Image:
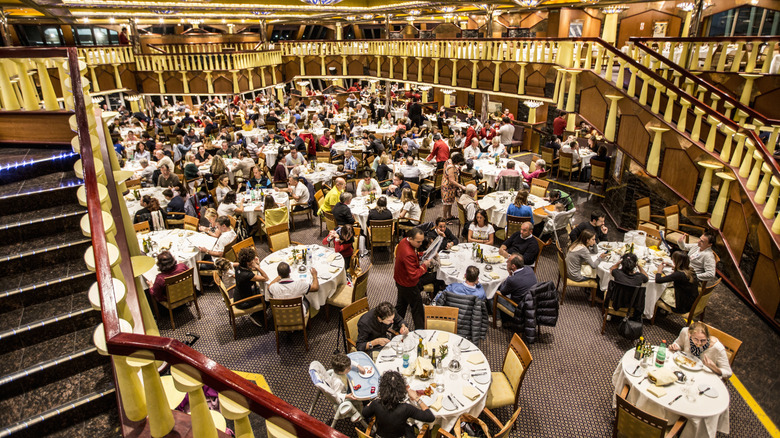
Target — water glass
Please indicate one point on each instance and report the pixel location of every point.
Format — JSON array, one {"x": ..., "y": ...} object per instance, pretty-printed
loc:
[
  {"x": 439, "y": 380},
  {"x": 689, "y": 391},
  {"x": 398, "y": 347}
]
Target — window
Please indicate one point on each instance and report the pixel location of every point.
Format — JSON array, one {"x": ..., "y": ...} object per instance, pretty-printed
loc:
[
  {"x": 32, "y": 35},
  {"x": 95, "y": 36},
  {"x": 349, "y": 32},
  {"x": 745, "y": 21},
  {"x": 282, "y": 35},
  {"x": 372, "y": 33}
]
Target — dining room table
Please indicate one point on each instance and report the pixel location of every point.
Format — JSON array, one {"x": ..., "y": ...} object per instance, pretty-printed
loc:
[
  {"x": 230, "y": 164},
  {"x": 133, "y": 205},
  {"x": 648, "y": 258},
  {"x": 135, "y": 167},
  {"x": 184, "y": 246},
  {"x": 427, "y": 169},
  {"x": 254, "y": 205},
  {"x": 490, "y": 171},
  {"x": 496, "y": 205},
  {"x": 462, "y": 381},
  {"x": 353, "y": 145},
  {"x": 322, "y": 172},
  {"x": 455, "y": 261},
  {"x": 330, "y": 265},
  {"x": 585, "y": 155},
  {"x": 701, "y": 396},
  {"x": 360, "y": 206}
]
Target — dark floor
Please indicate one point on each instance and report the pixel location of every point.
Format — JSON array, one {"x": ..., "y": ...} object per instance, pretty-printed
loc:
[{"x": 566, "y": 392}]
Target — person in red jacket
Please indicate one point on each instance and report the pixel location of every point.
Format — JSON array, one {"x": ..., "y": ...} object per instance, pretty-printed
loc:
[
  {"x": 407, "y": 273},
  {"x": 440, "y": 152},
  {"x": 470, "y": 133},
  {"x": 559, "y": 124}
]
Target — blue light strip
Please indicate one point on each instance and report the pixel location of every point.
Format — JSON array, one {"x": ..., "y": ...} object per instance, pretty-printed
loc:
[{"x": 32, "y": 162}]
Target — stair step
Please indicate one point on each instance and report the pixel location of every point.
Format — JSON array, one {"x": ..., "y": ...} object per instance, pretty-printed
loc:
[
  {"x": 62, "y": 415},
  {"x": 49, "y": 371},
  {"x": 48, "y": 191},
  {"x": 30, "y": 170},
  {"x": 47, "y": 328},
  {"x": 21, "y": 227},
  {"x": 53, "y": 250},
  {"x": 43, "y": 284}
]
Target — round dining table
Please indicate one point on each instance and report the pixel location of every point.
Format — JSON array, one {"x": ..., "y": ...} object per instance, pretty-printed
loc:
[
  {"x": 330, "y": 266},
  {"x": 426, "y": 169},
  {"x": 707, "y": 411},
  {"x": 230, "y": 164},
  {"x": 496, "y": 205},
  {"x": 465, "y": 390},
  {"x": 253, "y": 202},
  {"x": 490, "y": 171},
  {"x": 455, "y": 262},
  {"x": 184, "y": 245},
  {"x": 134, "y": 205},
  {"x": 341, "y": 146},
  {"x": 650, "y": 259},
  {"x": 360, "y": 208}
]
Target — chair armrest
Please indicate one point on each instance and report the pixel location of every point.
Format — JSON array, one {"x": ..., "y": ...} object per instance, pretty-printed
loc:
[
  {"x": 624, "y": 391},
  {"x": 658, "y": 216},
  {"x": 493, "y": 418},
  {"x": 444, "y": 433},
  {"x": 370, "y": 425},
  {"x": 205, "y": 264},
  {"x": 352, "y": 343},
  {"x": 499, "y": 294},
  {"x": 248, "y": 299},
  {"x": 677, "y": 428},
  {"x": 423, "y": 430},
  {"x": 692, "y": 227}
]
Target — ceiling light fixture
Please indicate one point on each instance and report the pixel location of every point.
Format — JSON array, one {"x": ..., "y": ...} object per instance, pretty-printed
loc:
[
  {"x": 533, "y": 103},
  {"x": 447, "y": 9},
  {"x": 686, "y": 6},
  {"x": 414, "y": 12},
  {"x": 613, "y": 9},
  {"x": 163, "y": 11},
  {"x": 527, "y": 3},
  {"x": 367, "y": 16},
  {"x": 447, "y": 91},
  {"x": 321, "y": 2},
  {"x": 350, "y": 18}
]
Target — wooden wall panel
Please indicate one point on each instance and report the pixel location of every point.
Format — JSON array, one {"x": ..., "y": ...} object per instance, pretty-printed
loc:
[
  {"x": 734, "y": 227},
  {"x": 641, "y": 25},
  {"x": 593, "y": 107},
  {"x": 198, "y": 84},
  {"x": 445, "y": 73},
  {"x": 679, "y": 171},
  {"x": 16, "y": 126},
  {"x": 765, "y": 284},
  {"x": 222, "y": 85},
  {"x": 173, "y": 83},
  {"x": 633, "y": 137},
  {"x": 508, "y": 80}
]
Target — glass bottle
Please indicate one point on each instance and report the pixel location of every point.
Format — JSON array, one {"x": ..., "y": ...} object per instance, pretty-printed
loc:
[{"x": 660, "y": 356}]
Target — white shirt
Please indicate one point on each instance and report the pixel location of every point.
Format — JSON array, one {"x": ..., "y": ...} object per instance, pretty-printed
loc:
[
  {"x": 471, "y": 153},
  {"x": 569, "y": 150},
  {"x": 506, "y": 132},
  {"x": 226, "y": 238},
  {"x": 481, "y": 233},
  {"x": 494, "y": 150},
  {"x": 302, "y": 192},
  {"x": 226, "y": 209},
  {"x": 413, "y": 211}
]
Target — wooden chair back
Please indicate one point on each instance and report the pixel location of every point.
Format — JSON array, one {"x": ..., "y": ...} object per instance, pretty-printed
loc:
[
  {"x": 360, "y": 288},
  {"x": 539, "y": 187},
  {"x": 323, "y": 156},
  {"x": 642, "y": 211},
  {"x": 191, "y": 223},
  {"x": 514, "y": 223},
  {"x": 278, "y": 237},
  {"x": 633, "y": 422},
  {"x": 548, "y": 155},
  {"x": 506, "y": 428},
  {"x": 510, "y": 182},
  {"x": 288, "y": 314},
  {"x": 442, "y": 318},
  {"x": 731, "y": 343},
  {"x": 700, "y": 305},
  {"x": 566, "y": 162},
  {"x": 330, "y": 221},
  {"x": 598, "y": 171},
  {"x": 672, "y": 215},
  {"x": 415, "y": 188},
  {"x": 382, "y": 233},
  {"x": 142, "y": 227},
  {"x": 350, "y": 316},
  {"x": 516, "y": 362},
  {"x": 246, "y": 243},
  {"x": 180, "y": 288}
]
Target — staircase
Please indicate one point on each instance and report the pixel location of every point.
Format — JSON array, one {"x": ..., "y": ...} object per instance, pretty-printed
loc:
[{"x": 52, "y": 380}]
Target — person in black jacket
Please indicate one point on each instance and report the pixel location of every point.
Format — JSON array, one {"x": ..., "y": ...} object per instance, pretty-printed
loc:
[
  {"x": 686, "y": 285},
  {"x": 440, "y": 230},
  {"x": 596, "y": 225},
  {"x": 415, "y": 113},
  {"x": 341, "y": 212},
  {"x": 374, "y": 325},
  {"x": 175, "y": 203},
  {"x": 390, "y": 410},
  {"x": 523, "y": 243},
  {"x": 517, "y": 287},
  {"x": 380, "y": 213}
]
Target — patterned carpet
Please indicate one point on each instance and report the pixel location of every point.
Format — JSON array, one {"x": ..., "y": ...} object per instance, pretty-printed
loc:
[{"x": 567, "y": 391}]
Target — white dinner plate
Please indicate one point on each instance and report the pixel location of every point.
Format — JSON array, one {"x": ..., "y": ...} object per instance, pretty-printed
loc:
[
  {"x": 483, "y": 379},
  {"x": 447, "y": 404},
  {"x": 711, "y": 392},
  {"x": 698, "y": 367},
  {"x": 629, "y": 367},
  {"x": 369, "y": 371}
]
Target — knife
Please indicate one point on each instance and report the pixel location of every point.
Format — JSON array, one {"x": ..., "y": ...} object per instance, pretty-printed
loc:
[
  {"x": 675, "y": 399},
  {"x": 635, "y": 370},
  {"x": 431, "y": 338},
  {"x": 461, "y": 341},
  {"x": 474, "y": 384},
  {"x": 449, "y": 397},
  {"x": 705, "y": 390}
]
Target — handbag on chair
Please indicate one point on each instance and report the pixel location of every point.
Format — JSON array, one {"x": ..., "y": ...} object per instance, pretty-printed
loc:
[{"x": 628, "y": 328}]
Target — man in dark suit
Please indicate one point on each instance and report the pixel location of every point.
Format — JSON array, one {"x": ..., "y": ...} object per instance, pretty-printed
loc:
[
  {"x": 398, "y": 185},
  {"x": 415, "y": 113},
  {"x": 341, "y": 212},
  {"x": 175, "y": 203},
  {"x": 517, "y": 287}
]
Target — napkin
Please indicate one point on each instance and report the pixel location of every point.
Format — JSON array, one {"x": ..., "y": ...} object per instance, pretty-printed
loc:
[
  {"x": 437, "y": 404},
  {"x": 443, "y": 337},
  {"x": 494, "y": 276},
  {"x": 656, "y": 391},
  {"x": 332, "y": 257},
  {"x": 476, "y": 359},
  {"x": 661, "y": 376},
  {"x": 334, "y": 270},
  {"x": 446, "y": 263},
  {"x": 470, "y": 392},
  {"x": 587, "y": 271},
  {"x": 455, "y": 248},
  {"x": 407, "y": 371}
]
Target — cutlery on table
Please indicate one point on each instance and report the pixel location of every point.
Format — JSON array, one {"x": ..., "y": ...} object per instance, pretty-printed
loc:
[
  {"x": 461, "y": 341},
  {"x": 675, "y": 399},
  {"x": 640, "y": 382},
  {"x": 635, "y": 370},
  {"x": 474, "y": 384},
  {"x": 431, "y": 338},
  {"x": 449, "y": 397},
  {"x": 704, "y": 390},
  {"x": 478, "y": 374}
]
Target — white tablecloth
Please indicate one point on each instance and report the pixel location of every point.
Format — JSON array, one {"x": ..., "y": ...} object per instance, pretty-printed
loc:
[
  {"x": 133, "y": 206},
  {"x": 329, "y": 281},
  {"x": 653, "y": 291},
  {"x": 254, "y": 134},
  {"x": 460, "y": 258},
  {"x": 426, "y": 169},
  {"x": 360, "y": 209},
  {"x": 324, "y": 173},
  {"x": 453, "y": 382},
  {"x": 343, "y": 145},
  {"x": 184, "y": 246},
  {"x": 135, "y": 167},
  {"x": 230, "y": 163},
  {"x": 254, "y": 208},
  {"x": 774, "y": 67},
  {"x": 489, "y": 170},
  {"x": 496, "y": 209},
  {"x": 585, "y": 156},
  {"x": 706, "y": 416}
]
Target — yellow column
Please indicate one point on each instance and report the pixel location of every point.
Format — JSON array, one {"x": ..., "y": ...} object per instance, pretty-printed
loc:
[
  {"x": 645, "y": 89},
  {"x": 755, "y": 174},
  {"x": 521, "y": 80},
  {"x": 496, "y": 72},
  {"x": 210, "y": 83},
  {"x": 49, "y": 97},
  {"x": 378, "y": 67},
  {"x": 29, "y": 95},
  {"x": 748, "y": 88},
  {"x": 419, "y": 69},
  {"x": 710, "y": 143},
  {"x": 454, "y": 72},
  {"x": 532, "y": 115},
  {"x": 187, "y": 379},
  {"x": 683, "y": 119},
  {"x": 687, "y": 25},
  {"x": 631, "y": 82},
  {"x": 744, "y": 169},
  {"x": 185, "y": 82},
  {"x": 565, "y": 54},
  {"x": 703, "y": 198},
  {"x": 323, "y": 71},
  {"x": 610, "y": 68},
  {"x": 235, "y": 407},
  {"x": 609, "y": 131},
  {"x": 406, "y": 71},
  {"x": 696, "y": 131},
  {"x": 161, "y": 420},
  {"x": 772, "y": 143},
  {"x": 738, "y": 57},
  {"x": 117, "y": 76},
  {"x": 474, "y": 74},
  {"x": 236, "y": 89},
  {"x": 767, "y": 56},
  {"x": 9, "y": 100},
  {"x": 303, "y": 67},
  {"x": 557, "y": 82},
  {"x": 160, "y": 82},
  {"x": 761, "y": 191},
  {"x": 725, "y": 151},
  {"x": 262, "y": 77},
  {"x": 131, "y": 391},
  {"x": 250, "y": 79},
  {"x": 736, "y": 157},
  {"x": 610, "y": 28},
  {"x": 93, "y": 77},
  {"x": 714, "y": 103},
  {"x": 571, "y": 122},
  {"x": 436, "y": 71},
  {"x": 656, "y": 107},
  {"x": 446, "y": 100},
  {"x": 653, "y": 160},
  {"x": 719, "y": 211},
  {"x": 391, "y": 68},
  {"x": 728, "y": 108},
  {"x": 771, "y": 205},
  {"x": 562, "y": 91}
]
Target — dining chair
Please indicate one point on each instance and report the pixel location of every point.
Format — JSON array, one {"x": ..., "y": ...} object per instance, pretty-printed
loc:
[
  {"x": 514, "y": 223},
  {"x": 503, "y": 304},
  {"x": 305, "y": 212},
  {"x": 731, "y": 343},
  {"x": 289, "y": 317},
  {"x": 504, "y": 428},
  {"x": 467, "y": 179},
  {"x": 567, "y": 282},
  {"x": 548, "y": 155},
  {"x": 175, "y": 219},
  {"x": 423, "y": 432},
  {"x": 279, "y": 237},
  {"x": 644, "y": 218},
  {"x": 191, "y": 223},
  {"x": 505, "y": 385},
  {"x": 415, "y": 189},
  {"x": 542, "y": 245},
  {"x": 133, "y": 183},
  {"x": 179, "y": 290},
  {"x": 698, "y": 308},
  {"x": 237, "y": 312},
  {"x": 608, "y": 307},
  {"x": 539, "y": 187},
  {"x": 630, "y": 421},
  {"x": 598, "y": 173},
  {"x": 441, "y": 318},
  {"x": 142, "y": 227},
  {"x": 567, "y": 165},
  {"x": 673, "y": 227},
  {"x": 510, "y": 182},
  {"x": 323, "y": 156},
  {"x": 350, "y": 315},
  {"x": 347, "y": 294},
  {"x": 381, "y": 235},
  {"x": 330, "y": 221}
]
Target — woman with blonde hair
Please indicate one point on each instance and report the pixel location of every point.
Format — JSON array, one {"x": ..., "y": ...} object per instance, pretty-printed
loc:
[
  {"x": 696, "y": 341},
  {"x": 410, "y": 213},
  {"x": 218, "y": 166},
  {"x": 208, "y": 223}
]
